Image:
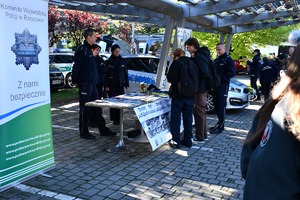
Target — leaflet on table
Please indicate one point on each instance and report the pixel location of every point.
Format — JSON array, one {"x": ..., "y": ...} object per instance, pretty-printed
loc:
[{"x": 155, "y": 120}]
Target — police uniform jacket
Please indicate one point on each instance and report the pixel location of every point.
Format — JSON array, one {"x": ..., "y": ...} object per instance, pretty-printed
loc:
[
  {"x": 225, "y": 68},
  {"x": 268, "y": 73},
  {"x": 117, "y": 75},
  {"x": 271, "y": 164},
  {"x": 173, "y": 76},
  {"x": 255, "y": 65},
  {"x": 201, "y": 59},
  {"x": 84, "y": 71},
  {"x": 102, "y": 69}
]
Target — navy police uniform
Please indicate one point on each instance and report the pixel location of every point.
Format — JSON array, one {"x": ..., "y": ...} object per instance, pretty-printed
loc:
[
  {"x": 102, "y": 70},
  {"x": 116, "y": 80},
  {"x": 268, "y": 76},
  {"x": 271, "y": 164},
  {"x": 254, "y": 71},
  {"x": 226, "y": 70},
  {"x": 85, "y": 74}
]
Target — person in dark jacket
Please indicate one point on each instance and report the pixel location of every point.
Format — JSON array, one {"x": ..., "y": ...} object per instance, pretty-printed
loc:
[
  {"x": 102, "y": 70},
  {"x": 267, "y": 76},
  {"x": 180, "y": 104},
  {"x": 254, "y": 71},
  {"x": 200, "y": 57},
  {"x": 270, "y": 157},
  {"x": 85, "y": 76},
  {"x": 116, "y": 79},
  {"x": 226, "y": 70}
]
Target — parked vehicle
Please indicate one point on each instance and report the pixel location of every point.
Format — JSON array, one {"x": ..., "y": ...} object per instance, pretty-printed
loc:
[
  {"x": 56, "y": 78},
  {"x": 238, "y": 97},
  {"x": 143, "y": 68},
  {"x": 64, "y": 61},
  {"x": 241, "y": 65}
]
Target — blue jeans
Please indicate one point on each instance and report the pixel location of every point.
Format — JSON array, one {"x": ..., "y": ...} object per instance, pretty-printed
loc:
[{"x": 184, "y": 106}]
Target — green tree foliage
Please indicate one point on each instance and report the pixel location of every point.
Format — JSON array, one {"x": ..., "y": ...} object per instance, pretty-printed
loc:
[{"x": 242, "y": 43}]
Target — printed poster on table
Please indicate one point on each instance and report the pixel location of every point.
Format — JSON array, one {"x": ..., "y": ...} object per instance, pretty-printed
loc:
[
  {"x": 155, "y": 120},
  {"x": 26, "y": 146}
]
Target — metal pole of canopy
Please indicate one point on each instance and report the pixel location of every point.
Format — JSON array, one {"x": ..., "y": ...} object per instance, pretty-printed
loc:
[
  {"x": 164, "y": 53},
  {"x": 228, "y": 42},
  {"x": 222, "y": 38},
  {"x": 180, "y": 24}
]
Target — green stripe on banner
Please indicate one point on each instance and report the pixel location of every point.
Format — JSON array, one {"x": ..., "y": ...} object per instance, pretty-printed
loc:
[{"x": 26, "y": 144}]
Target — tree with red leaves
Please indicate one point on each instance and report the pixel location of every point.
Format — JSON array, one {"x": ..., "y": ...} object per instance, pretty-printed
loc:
[
  {"x": 77, "y": 21},
  {"x": 71, "y": 24},
  {"x": 54, "y": 18}
]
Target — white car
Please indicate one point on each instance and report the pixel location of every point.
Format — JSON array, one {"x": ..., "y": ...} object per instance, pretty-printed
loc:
[{"x": 64, "y": 61}]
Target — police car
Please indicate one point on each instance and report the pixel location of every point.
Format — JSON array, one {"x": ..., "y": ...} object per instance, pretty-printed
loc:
[
  {"x": 143, "y": 69},
  {"x": 64, "y": 61}
]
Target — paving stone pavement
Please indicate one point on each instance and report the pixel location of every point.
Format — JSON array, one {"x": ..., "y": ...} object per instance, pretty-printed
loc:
[{"x": 85, "y": 170}]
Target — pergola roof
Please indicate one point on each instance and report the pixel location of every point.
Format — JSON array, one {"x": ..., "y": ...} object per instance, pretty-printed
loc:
[{"x": 214, "y": 16}]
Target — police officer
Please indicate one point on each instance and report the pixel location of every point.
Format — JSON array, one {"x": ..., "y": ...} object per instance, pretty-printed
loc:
[
  {"x": 85, "y": 76},
  {"x": 116, "y": 79},
  {"x": 267, "y": 76},
  {"x": 226, "y": 70},
  {"x": 254, "y": 70}
]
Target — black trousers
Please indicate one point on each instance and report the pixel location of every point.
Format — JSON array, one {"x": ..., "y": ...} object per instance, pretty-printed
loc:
[
  {"x": 253, "y": 80},
  {"x": 89, "y": 93},
  {"x": 220, "y": 95},
  {"x": 115, "y": 113}
]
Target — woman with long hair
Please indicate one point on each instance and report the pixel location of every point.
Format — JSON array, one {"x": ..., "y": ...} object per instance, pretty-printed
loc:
[{"x": 270, "y": 158}]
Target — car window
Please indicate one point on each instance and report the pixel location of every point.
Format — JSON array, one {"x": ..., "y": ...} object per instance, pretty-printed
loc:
[
  {"x": 63, "y": 59},
  {"x": 50, "y": 56},
  {"x": 138, "y": 64},
  {"x": 149, "y": 65}
]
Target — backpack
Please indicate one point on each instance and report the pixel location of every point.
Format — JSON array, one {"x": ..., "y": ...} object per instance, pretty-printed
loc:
[
  {"x": 189, "y": 78},
  {"x": 213, "y": 80}
]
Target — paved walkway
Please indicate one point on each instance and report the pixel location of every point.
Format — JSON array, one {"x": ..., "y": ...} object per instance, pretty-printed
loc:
[{"x": 85, "y": 170}]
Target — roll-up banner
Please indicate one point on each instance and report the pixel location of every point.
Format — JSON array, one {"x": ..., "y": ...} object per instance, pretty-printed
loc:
[{"x": 26, "y": 146}]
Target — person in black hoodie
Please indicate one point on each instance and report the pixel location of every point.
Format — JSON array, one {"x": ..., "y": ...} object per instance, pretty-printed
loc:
[
  {"x": 254, "y": 71},
  {"x": 200, "y": 56},
  {"x": 270, "y": 157},
  {"x": 116, "y": 79},
  {"x": 180, "y": 104},
  {"x": 267, "y": 76},
  {"x": 226, "y": 70},
  {"x": 85, "y": 76}
]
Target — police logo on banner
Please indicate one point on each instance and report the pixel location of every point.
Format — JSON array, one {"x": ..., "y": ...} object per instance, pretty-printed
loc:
[
  {"x": 26, "y": 49},
  {"x": 267, "y": 134}
]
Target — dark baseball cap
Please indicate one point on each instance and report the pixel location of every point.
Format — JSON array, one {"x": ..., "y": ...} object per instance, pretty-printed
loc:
[
  {"x": 281, "y": 56},
  {"x": 256, "y": 50}
]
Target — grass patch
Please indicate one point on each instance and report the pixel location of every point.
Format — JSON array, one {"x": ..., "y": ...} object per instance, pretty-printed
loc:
[
  {"x": 64, "y": 93},
  {"x": 250, "y": 88}
]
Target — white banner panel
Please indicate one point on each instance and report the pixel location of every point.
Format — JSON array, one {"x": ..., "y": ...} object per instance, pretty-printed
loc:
[{"x": 26, "y": 145}]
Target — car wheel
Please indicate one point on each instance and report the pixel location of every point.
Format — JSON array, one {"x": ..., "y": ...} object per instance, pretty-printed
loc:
[
  {"x": 69, "y": 80},
  {"x": 210, "y": 108}
]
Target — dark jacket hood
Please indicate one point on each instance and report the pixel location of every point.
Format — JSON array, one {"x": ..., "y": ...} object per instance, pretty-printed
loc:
[{"x": 203, "y": 50}]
